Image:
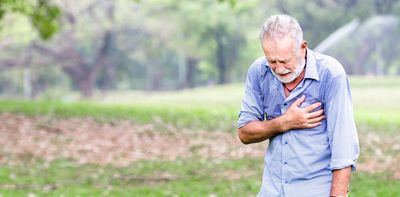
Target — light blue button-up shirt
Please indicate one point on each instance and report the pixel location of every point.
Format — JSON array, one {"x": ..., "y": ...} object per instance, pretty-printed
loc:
[{"x": 299, "y": 163}]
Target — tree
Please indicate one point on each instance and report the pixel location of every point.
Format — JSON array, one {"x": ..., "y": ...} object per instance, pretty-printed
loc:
[
  {"x": 42, "y": 14},
  {"x": 209, "y": 33},
  {"x": 165, "y": 44},
  {"x": 81, "y": 56}
]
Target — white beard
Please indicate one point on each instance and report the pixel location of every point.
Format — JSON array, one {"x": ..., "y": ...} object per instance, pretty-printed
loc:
[{"x": 296, "y": 73}]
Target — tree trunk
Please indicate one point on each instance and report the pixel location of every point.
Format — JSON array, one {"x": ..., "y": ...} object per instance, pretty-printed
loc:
[
  {"x": 282, "y": 6},
  {"x": 80, "y": 74},
  {"x": 109, "y": 83},
  {"x": 156, "y": 80},
  {"x": 191, "y": 63},
  {"x": 221, "y": 59},
  {"x": 86, "y": 88},
  {"x": 385, "y": 6}
]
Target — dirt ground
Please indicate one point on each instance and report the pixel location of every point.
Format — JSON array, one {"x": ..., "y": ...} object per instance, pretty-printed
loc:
[
  {"x": 118, "y": 143},
  {"x": 121, "y": 143}
]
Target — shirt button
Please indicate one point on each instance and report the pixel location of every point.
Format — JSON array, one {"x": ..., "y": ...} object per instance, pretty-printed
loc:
[
  {"x": 286, "y": 182},
  {"x": 285, "y": 104},
  {"x": 286, "y": 142},
  {"x": 285, "y": 162}
]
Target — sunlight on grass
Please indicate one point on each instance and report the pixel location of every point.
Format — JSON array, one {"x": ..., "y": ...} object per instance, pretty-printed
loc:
[
  {"x": 375, "y": 105},
  {"x": 376, "y": 109},
  {"x": 227, "y": 95},
  {"x": 190, "y": 177}
]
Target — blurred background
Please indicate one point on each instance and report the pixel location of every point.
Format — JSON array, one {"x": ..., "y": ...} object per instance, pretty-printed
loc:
[{"x": 140, "y": 97}]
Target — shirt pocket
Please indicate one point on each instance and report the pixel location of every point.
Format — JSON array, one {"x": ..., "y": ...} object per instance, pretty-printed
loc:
[
  {"x": 311, "y": 100},
  {"x": 268, "y": 113},
  {"x": 272, "y": 111},
  {"x": 319, "y": 130}
]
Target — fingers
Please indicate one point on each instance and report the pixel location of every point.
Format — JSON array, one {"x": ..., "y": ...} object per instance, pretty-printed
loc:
[
  {"x": 299, "y": 101},
  {"x": 316, "y": 113},
  {"x": 316, "y": 120},
  {"x": 314, "y": 125},
  {"x": 312, "y": 107}
]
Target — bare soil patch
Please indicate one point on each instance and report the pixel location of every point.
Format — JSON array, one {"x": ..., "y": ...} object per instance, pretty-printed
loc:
[
  {"x": 120, "y": 143},
  {"x": 117, "y": 143}
]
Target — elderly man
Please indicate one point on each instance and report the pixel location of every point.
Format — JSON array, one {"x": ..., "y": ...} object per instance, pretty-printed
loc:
[{"x": 300, "y": 101}]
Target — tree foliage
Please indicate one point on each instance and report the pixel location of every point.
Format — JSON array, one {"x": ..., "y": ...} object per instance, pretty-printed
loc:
[
  {"x": 166, "y": 44},
  {"x": 42, "y": 14}
]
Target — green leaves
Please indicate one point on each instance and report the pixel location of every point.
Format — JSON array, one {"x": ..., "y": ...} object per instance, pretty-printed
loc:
[
  {"x": 231, "y": 2},
  {"x": 42, "y": 14},
  {"x": 44, "y": 19}
]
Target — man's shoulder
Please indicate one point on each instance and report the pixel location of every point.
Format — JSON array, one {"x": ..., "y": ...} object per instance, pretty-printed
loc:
[
  {"x": 258, "y": 66},
  {"x": 259, "y": 63},
  {"x": 329, "y": 65}
]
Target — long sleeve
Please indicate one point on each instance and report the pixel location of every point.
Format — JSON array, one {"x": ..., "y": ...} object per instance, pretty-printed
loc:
[
  {"x": 342, "y": 132},
  {"x": 251, "y": 107}
]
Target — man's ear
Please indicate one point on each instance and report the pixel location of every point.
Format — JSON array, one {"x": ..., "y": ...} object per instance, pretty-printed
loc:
[
  {"x": 304, "y": 47},
  {"x": 304, "y": 44}
]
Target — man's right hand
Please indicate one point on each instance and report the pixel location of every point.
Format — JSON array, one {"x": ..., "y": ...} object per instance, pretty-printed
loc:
[
  {"x": 294, "y": 118},
  {"x": 302, "y": 118}
]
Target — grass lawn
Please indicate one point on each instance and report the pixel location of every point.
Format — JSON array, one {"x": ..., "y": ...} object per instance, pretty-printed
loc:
[
  {"x": 190, "y": 177},
  {"x": 376, "y": 108}
]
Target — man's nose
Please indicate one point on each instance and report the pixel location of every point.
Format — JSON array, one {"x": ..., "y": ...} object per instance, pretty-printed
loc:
[{"x": 279, "y": 68}]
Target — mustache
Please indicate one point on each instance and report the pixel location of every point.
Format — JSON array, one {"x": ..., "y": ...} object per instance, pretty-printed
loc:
[{"x": 286, "y": 71}]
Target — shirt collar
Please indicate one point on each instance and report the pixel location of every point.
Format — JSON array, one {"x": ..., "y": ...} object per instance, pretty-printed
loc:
[{"x": 311, "y": 69}]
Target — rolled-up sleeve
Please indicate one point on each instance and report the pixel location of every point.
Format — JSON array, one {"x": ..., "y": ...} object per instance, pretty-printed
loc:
[
  {"x": 342, "y": 132},
  {"x": 251, "y": 107}
]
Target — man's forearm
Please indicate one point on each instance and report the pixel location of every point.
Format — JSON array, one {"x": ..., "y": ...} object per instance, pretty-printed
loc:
[
  {"x": 294, "y": 118},
  {"x": 340, "y": 182},
  {"x": 257, "y": 131}
]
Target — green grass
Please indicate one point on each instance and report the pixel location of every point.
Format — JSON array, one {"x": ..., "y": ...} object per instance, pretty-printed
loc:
[
  {"x": 199, "y": 117},
  {"x": 146, "y": 178},
  {"x": 376, "y": 108},
  {"x": 375, "y": 101},
  {"x": 190, "y": 177},
  {"x": 374, "y": 185}
]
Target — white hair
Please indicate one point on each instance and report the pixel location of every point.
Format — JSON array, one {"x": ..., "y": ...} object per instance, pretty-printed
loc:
[{"x": 279, "y": 26}]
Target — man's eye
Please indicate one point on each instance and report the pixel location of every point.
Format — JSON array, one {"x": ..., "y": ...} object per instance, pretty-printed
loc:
[
  {"x": 283, "y": 62},
  {"x": 272, "y": 62}
]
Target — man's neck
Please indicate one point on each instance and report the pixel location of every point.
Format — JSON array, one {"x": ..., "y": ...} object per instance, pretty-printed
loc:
[{"x": 289, "y": 87}]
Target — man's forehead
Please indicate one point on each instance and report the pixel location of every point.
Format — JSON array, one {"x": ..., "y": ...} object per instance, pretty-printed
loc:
[
  {"x": 279, "y": 55},
  {"x": 278, "y": 49}
]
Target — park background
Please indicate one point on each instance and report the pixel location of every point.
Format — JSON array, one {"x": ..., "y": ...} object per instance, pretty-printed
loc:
[{"x": 140, "y": 97}]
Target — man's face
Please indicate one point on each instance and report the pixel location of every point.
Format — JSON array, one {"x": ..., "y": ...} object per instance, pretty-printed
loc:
[{"x": 285, "y": 62}]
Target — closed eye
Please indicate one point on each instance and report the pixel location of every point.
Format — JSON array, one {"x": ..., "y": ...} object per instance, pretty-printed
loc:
[
  {"x": 283, "y": 61},
  {"x": 272, "y": 62}
]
